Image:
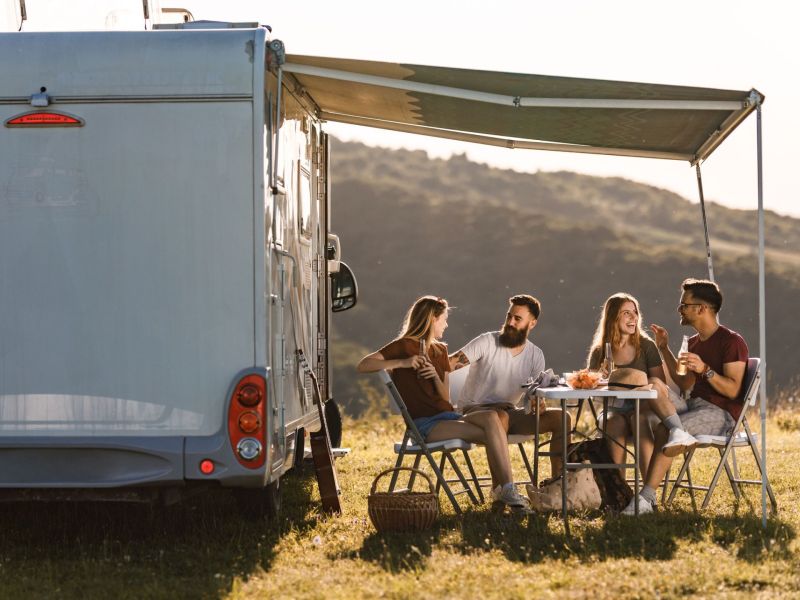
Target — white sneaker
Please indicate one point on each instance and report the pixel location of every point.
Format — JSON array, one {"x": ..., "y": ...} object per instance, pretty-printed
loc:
[
  {"x": 645, "y": 506},
  {"x": 508, "y": 495},
  {"x": 679, "y": 442}
]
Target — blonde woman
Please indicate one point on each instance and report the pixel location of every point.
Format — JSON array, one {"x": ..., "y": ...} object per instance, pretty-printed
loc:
[{"x": 418, "y": 362}]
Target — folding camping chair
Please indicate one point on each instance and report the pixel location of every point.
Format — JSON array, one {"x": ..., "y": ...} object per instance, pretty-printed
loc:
[
  {"x": 739, "y": 437},
  {"x": 414, "y": 445}
]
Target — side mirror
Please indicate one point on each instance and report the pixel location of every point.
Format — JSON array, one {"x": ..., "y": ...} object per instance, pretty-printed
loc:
[{"x": 344, "y": 289}]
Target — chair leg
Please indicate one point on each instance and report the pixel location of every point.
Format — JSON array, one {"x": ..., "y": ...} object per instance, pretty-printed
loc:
[
  {"x": 527, "y": 463},
  {"x": 473, "y": 475},
  {"x": 681, "y": 474},
  {"x": 440, "y": 481},
  {"x": 760, "y": 466},
  {"x": 441, "y": 468},
  {"x": 413, "y": 476},
  {"x": 732, "y": 475},
  {"x": 691, "y": 486},
  {"x": 461, "y": 477},
  {"x": 723, "y": 463},
  {"x": 399, "y": 462},
  {"x": 664, "y": 485}
]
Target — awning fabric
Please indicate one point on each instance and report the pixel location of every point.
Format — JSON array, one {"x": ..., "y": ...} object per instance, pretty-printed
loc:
[{"x": 524, "y": 111}]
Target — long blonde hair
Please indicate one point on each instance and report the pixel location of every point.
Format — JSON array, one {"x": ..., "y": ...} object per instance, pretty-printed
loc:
[
  {"x": 418, "y": 323},
  {"x": 607, "y": 330}
]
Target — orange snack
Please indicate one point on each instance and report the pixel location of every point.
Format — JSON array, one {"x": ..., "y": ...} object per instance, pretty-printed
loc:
[{"x": 584, "y": 379}]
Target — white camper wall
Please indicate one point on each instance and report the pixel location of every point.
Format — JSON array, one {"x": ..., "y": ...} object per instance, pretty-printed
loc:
[
  {"x": 126, "y": 245},
  {"x": 84, "y": 15}
]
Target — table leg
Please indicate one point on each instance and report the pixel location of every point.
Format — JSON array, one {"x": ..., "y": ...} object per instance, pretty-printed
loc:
[
  {"x": 535, "y": 482},
  {"x": 564, "y": 464},
  {"x": 636, "y": 472}
]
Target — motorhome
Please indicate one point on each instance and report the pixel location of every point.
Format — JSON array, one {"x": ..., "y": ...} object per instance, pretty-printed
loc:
[
  {"x": 165, "y": 260},
  {"x": 166, "y": 265}
]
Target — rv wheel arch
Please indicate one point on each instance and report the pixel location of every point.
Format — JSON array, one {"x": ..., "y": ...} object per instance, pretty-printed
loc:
[{"x": 260, "y": 503}]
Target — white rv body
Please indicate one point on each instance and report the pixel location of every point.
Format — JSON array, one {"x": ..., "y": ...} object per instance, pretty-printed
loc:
[{"x": 153, "y": 255}]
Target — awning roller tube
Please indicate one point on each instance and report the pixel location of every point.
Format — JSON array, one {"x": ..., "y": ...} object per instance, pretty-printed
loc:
[{"x": 514, "y": 101}]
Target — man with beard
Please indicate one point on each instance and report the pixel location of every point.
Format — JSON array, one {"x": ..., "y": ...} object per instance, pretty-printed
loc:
[{"x": 500, "y": 362}]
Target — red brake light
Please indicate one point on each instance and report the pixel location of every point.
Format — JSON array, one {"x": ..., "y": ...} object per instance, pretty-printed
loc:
[
  {"x": 206, "y": 466},
  {"x": 247, "y": 421},
  {"x": 44, "y": 119},
  {"x": 249, "y": 395}
]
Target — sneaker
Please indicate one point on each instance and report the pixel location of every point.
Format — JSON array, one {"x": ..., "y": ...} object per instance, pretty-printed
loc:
[
  {"x": 679, "y": 442},
  {"x": 510, "y": 497},
  {"x": 645, "y": 506}
]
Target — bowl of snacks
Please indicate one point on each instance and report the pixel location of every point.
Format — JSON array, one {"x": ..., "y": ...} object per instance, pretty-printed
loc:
[{"x": 583, "y": 379}]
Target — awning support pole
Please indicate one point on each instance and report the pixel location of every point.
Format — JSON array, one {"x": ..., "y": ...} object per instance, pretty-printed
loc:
[
  {"x": 762, "y": 318},
  {"x": 705, "y": 222}
]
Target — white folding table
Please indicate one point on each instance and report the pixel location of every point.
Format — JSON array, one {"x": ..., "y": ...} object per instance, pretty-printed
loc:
[{"x": 565, "y": 394}]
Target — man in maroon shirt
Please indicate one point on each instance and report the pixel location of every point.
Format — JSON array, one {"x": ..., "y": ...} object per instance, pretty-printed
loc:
[{"x": 715, "y": 367}]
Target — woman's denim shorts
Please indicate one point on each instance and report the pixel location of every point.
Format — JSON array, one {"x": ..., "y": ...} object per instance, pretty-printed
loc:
[{"x": 425, "y": 424}]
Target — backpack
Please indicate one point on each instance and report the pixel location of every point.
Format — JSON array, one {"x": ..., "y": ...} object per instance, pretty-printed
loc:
[{"x": 614, "y": 490}]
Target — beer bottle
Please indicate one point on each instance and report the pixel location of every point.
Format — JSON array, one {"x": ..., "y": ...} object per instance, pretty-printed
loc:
[{"x": 680, "y": 369}]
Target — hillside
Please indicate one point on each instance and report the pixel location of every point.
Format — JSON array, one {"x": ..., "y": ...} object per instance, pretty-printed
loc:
[{"x": 475, "y": 235}]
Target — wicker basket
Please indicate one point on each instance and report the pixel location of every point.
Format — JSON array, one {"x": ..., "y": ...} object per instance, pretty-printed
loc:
[{"x": 402, "y": 511}]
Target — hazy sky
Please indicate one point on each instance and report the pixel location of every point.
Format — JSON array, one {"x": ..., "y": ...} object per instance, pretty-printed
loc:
[{"x": 713, "y": 43}]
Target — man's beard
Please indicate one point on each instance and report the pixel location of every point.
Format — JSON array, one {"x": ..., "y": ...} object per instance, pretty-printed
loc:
[{"x": 512, "y": 338}]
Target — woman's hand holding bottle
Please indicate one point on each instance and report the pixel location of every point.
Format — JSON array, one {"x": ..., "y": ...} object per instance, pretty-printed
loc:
[
  {"x": 415, "y": 362},
  {"x": 427, "y": 370}
]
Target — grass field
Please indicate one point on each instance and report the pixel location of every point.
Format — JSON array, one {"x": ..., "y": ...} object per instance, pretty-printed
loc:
[{"x": 206, "y": 550}]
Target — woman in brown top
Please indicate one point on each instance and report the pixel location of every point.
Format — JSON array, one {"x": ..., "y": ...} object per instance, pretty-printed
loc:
[{"x": 418, "y": 363}]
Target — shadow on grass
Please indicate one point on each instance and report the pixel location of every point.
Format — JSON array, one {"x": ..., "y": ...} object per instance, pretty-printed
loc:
[
  {"x": 397, "y": 552},
  {"x": 597, "y": 538},
  {"x": 594, "y": 538},
  {"x": 194, "y": 549}
]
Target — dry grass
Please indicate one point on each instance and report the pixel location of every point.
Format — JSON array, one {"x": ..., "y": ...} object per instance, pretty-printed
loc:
[{"x": 206, "y": 550}]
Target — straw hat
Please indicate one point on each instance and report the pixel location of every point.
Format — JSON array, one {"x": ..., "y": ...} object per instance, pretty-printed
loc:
[{"x": 628, "y": 379}]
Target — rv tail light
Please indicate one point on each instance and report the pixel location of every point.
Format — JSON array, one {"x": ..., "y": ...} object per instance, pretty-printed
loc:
[
  {"x": 44, "y": 119},
  {"x": 249, "y": 449},
  {"x": 247, "y": 420},
  {"x": 249, "y": 395},
  {"x": 206, "y": 466}
]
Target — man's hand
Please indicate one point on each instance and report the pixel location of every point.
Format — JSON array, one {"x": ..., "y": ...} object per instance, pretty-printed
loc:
[
  {"x": 458, "y": 360},
  {"x": 661, "y": 335},
  {"x": 693, "y": 362}
]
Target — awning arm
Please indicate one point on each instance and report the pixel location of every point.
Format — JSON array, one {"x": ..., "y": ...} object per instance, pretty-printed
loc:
[
  {"x": 762, "y": 319},
  {"x": 515, "y": 101},
  {"x": 476, "y": 138},
  {"x": 705, "y": 223},
  {"x": 727, "y": 127}
]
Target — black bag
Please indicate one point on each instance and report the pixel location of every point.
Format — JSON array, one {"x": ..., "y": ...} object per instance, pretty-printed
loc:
[{"x": 614, "y": 490}]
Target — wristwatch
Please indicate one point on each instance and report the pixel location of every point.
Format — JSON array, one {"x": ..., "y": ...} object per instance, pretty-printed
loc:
[{"x": 708, "y": 374}]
